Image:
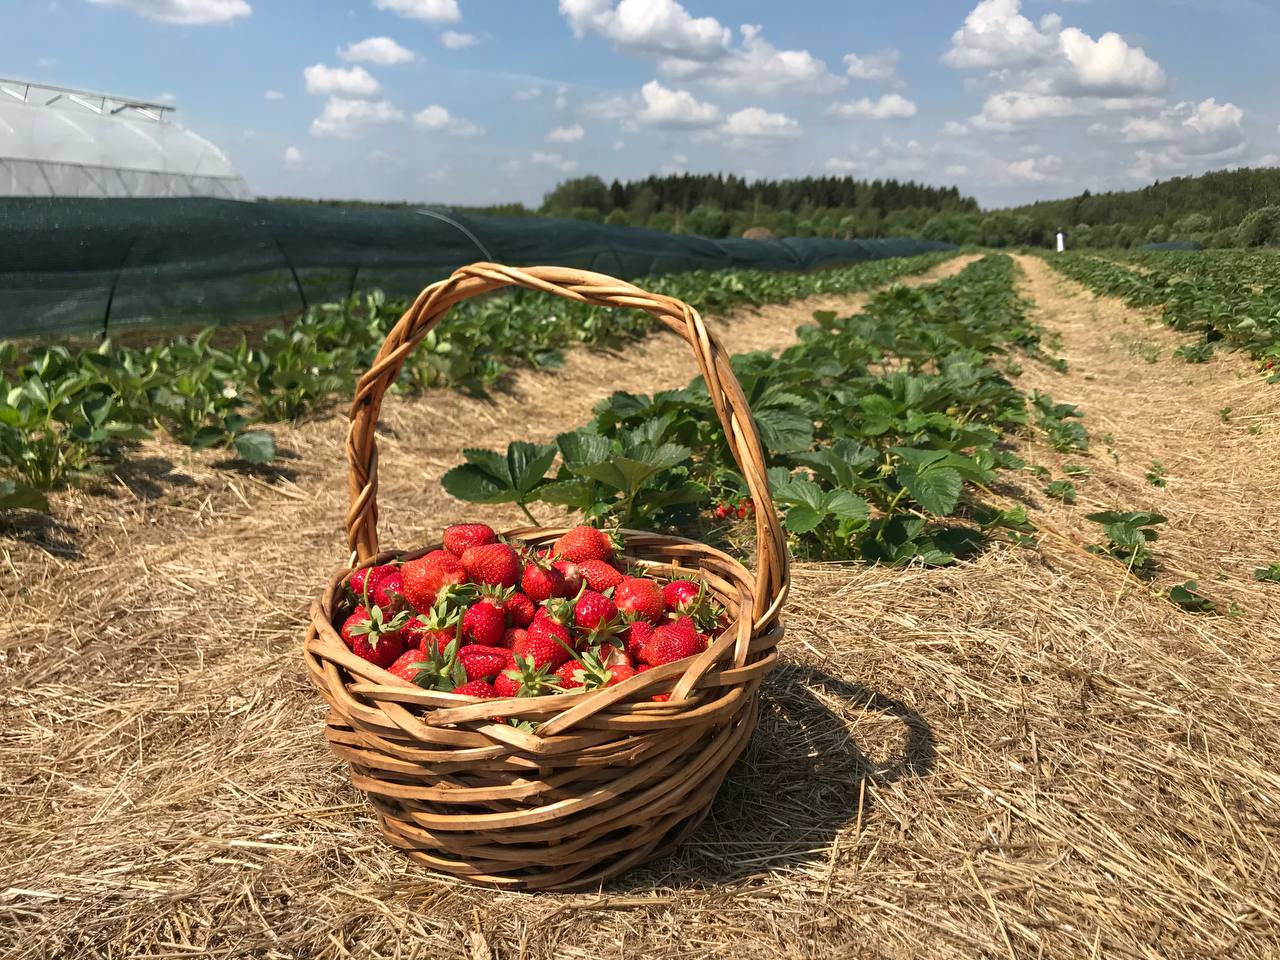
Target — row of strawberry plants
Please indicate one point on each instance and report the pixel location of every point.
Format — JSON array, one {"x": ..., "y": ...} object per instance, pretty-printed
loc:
[
  {"x": 882, "y": 431},
  {"x": 66, "y": 411},
  {"x": 1222, "y": 296}
]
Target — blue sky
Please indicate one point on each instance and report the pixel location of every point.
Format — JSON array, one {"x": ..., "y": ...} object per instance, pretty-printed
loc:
[{"x": 479, "y": 101}]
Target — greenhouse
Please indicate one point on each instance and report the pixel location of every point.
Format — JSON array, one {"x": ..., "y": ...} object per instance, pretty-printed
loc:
[{"x": 61, "y": 142}]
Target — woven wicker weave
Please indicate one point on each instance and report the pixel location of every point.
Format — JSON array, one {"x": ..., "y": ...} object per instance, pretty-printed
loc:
[{"x": 607, "y": 779}]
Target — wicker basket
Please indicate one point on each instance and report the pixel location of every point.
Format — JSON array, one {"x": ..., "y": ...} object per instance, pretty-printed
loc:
[{"x": 608, "y": 778}]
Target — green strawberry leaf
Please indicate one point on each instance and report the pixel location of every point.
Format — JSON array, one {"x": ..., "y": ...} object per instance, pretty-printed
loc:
[
  {"x": 1188, "y": 597},
  {"x": 937, "y": 489},
  {"x": 256, "y": 446},
  {"x": 15, "y": 496}
]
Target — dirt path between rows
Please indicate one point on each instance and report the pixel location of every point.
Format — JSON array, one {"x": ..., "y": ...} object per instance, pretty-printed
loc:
[
  {"x": 1020, "y": 756},
  {"x": 1211, "y": 426}
]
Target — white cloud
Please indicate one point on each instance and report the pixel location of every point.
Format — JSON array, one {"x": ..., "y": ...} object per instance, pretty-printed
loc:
[
  {"x": 1036, "y": 169},
  {"x": 528, "y": 93},
  {"x": 611, "y": 108},
  {"x": 995, "y": 34},
  {"x": 272, "y": 95},
  {"x": 1108, "y": 66},
  {"x": 620, "y": 145},
  {"x": 348, "y": 119},
  {"x": 553, "y": 160},
  {"x": 433, "y": 11},
  {"x": 457, "y": 41},
  {"x": 679, "y": 158},
  {"x": 352, "y": 81},
  {"x": 292, "y": 156},
  {"x": 956, "y": 170},
  {"x": 190, "y": 12},
  {"x": 1198, "y": 129},
  {"x": 881, "y": 65},
  {"x": 755, "y": 123},
  {"x": 674, "y": 108},
  {"x": 757, "y": 67},
  {"x": 566, "y": 134},
  {"x": 840, "y": 165},
  {"x": 562, "y": 97},
  {"x": 1047, "y": 71},
  {"x": 380, "y": 50},
  {"x": 953, "y": 128},
  {"x": 890, "y": 106},
  {"x": 436, "y": 117},
  {"x": 166, "y": 97},
  {"x": 660, "y": 27}
]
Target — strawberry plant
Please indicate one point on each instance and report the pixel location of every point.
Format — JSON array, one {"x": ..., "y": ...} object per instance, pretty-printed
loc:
[
  {"x": 69, "y": 412},
  {"x": 1128, "y": 534},
  {"x": 1188, "y": 596},
  {"x": 1268, "y": 574},
  {"x": 1063, "y": 490},
  {"x": 879, "y": 429}
]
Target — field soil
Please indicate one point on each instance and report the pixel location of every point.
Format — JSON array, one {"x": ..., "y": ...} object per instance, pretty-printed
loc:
[{"x": 1031, "y": 754}]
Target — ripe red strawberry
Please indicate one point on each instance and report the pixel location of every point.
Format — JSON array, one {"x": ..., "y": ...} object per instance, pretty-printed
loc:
[
  {"x": 362, "y": 580},
  {"x": 434, "y": 630},
  {"x": 519, "y": 609},
  {"x": 483, "y": 623},
  {"x": 571, "y": 574},
  {"x": 679, "y": 593},
  {"x": 481, "y": 662},
  {"x": 492, "y": 563},
  {"x": 640, "y": 597},
  {"x": 545, "y": 642},
  {"x": 408, "y": 664},
  {"x": 541, "y": 581},
  {"x": 387, "y": 591},
  {"x": 671, "y": 643},
  {"x": 569, "y": 675},
  {"x": 593, "y": 609},
  {"x": 635, "y": 636},
  {"x": 523, "y": 679},
  {"x": 600, "y": 576},
  {"x": 584, "y": 543},
  {"x": 619, "y": 672},
  {"x": 480, "y": 689},
  {"x": 461, "y": 537},
  {"x": 372, "y": 638},
  {"x": 660, "y": 697},
  {"x": 585, "y": 670},
  {"x": 510, "y": 636},
  {"x": 425, "y": 577}
]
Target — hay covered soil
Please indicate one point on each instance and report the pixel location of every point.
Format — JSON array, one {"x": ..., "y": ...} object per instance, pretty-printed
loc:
[{"x": 1030, "y": 754}]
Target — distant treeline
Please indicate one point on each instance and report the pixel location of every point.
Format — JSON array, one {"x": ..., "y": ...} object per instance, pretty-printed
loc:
[
  {"x": 1226, "y": 208},
  {"x": 1222, "y": 209}
]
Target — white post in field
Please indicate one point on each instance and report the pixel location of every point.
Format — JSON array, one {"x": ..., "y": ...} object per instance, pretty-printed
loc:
[{"x": 1062, "y": 242}]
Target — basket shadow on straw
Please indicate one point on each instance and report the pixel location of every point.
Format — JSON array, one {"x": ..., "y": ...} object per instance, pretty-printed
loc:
[{"x": 802, "y": 780}]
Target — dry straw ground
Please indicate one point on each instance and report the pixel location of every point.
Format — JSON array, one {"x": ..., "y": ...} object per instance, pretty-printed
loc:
[{"x": 1030, "y": 755}]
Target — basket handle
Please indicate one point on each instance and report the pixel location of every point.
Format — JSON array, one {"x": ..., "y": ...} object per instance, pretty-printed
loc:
[{"x": 585, "y": 287}]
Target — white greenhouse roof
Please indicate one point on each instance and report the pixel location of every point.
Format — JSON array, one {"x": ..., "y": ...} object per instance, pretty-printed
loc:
[{"x": 60, "y": 142}]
